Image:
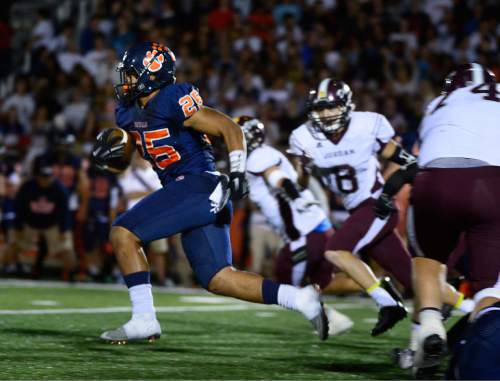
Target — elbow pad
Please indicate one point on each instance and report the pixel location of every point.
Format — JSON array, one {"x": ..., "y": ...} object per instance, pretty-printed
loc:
[{"x": 402, "y": 157}]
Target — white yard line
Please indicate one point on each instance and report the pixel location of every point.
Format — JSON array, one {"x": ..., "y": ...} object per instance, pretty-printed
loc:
[
  {"x": 4, "y": 283},
  {"x": 110, "y": 310}
]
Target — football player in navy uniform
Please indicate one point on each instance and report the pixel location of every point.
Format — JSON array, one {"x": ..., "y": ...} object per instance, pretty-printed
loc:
[{"x": 169, "y": 123}]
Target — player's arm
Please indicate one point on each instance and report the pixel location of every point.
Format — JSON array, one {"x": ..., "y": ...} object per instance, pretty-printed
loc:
[
  {"x": 276, "y": 178},
  {"x": 212, "y": 122},
  {"x": 404, "y": 175},
  {"x": 299, "y": 161}
]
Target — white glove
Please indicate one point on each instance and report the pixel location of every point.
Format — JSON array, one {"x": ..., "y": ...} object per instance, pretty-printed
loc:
[{"x": 302, "y": 205}]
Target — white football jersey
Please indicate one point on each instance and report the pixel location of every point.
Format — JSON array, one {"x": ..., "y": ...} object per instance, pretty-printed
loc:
[
  {"x": 463, "y": 124},
  {"x": 350, "y": 168},
  {"x": 269, "y": 200}
]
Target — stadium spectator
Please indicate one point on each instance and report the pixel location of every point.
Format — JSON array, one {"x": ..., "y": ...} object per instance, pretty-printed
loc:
[{"x": 41, "y": 208}]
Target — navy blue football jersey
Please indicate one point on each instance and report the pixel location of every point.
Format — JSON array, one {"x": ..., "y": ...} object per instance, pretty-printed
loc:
[{"x": 162, "y": 139}]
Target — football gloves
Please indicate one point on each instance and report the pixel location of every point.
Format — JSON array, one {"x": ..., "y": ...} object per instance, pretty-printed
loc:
[
  {"x": 238, "y": 185},
  {"x": 384, "y": 206},
  {"x": 302, "y": 205},
  {"x": 105, "y": 150}
]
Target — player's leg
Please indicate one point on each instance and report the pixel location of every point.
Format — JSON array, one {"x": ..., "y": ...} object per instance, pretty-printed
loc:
[
  {"x": 360, "y": 230},
  {"x": 434, "y": 230},
  {"x": 323, "y": 273},
  {"x": 181, "y": 205},
  {"x": 209, "y": 252},
  {"x": 135, "y": 270}
]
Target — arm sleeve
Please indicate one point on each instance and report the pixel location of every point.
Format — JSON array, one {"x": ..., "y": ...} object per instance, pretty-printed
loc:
[
  {"x": 399, "y": 178},
  {"x": 383, "y": 133}
]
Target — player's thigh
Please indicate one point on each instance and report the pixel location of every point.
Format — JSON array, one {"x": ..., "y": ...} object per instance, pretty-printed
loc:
[
  {"x": 208, "y": 249},
  {"x": 483, "y": 255},
  {"x": 177, "y": 207},
  {"x": 284, "y": 265},
  {"x": 361, "y": 229},
  {"x": 390, "y": 253}
]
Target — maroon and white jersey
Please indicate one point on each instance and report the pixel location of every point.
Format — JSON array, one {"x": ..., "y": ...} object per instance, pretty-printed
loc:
[
  {"x": 350, "y": 167},
  {"x": 281, "y": 215},
  {"x": 462, "y": 124}
]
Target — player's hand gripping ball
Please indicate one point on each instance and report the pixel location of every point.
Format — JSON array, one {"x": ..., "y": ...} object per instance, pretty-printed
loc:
[{"x": 113, "y": 150}]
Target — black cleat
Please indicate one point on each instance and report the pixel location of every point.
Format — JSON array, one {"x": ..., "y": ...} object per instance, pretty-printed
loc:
[
  {"x": 433, "y": 350},
  {"x": 387, "y": 285},
  {"x": 388, "y": 316}
]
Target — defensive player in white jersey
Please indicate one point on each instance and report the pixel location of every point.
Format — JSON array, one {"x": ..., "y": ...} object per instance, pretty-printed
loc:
[
  {"x": 342, "y": 147},
  {"x": 293, "y": 213},
  {"x": 455, "y": 192}
]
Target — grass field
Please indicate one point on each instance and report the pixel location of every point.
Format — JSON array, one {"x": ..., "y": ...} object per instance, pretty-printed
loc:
[{"x": 51, "y": 331}]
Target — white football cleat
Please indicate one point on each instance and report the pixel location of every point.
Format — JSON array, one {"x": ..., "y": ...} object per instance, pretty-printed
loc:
[
  {"x": 431, "y": 348},
  {"x": 140, "y": 327},
  {"x": 309, "y": 304},
  {"x": 338, "y": 323}
]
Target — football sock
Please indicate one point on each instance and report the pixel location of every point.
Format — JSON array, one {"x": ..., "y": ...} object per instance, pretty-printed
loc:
[
  {"x": 415, "y": 327},
  {"x": 141, "y": 297},
  {"x": 381, "y": 296},
  {"x": 431, "y": 320},
  {"x": 464, "y": 305},
  {"x": 270, "y": 291},
  {"x": 287, "y": 296}
]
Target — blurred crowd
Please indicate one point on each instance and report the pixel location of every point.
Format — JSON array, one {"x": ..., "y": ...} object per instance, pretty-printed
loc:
[{"x": 248, "y": 57}]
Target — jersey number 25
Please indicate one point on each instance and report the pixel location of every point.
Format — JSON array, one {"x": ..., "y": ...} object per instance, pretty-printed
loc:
[{"x": 162, "y": 155}]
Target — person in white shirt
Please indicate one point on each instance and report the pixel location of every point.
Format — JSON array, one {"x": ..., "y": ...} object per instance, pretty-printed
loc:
[{"x": 294, "y": 213}]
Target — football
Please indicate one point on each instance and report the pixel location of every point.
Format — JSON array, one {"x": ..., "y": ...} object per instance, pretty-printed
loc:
[{"x": 112, "y": 137}]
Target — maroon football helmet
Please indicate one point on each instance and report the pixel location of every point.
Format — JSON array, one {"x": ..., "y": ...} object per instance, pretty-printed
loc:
[
  {"x": 253, "y": 129},
  {"x": 467, "y": 75},
  {"x": 330, "y": 94}
]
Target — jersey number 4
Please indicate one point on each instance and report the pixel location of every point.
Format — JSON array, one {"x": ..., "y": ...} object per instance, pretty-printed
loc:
[
  {"x": 489, "y": 89},
  {"x": 162, "y": 155}
]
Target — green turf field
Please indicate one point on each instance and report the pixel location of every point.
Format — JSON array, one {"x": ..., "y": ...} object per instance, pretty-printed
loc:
[{"x": 52, "y": 332}]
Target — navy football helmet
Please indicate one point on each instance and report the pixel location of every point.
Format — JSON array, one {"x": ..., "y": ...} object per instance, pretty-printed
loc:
[
  {"x": 253, "y": 129},
  {"x": 330, "y": 94},
  {"x": 144, "y": 68},
  {"x": 467, "y": 75}
]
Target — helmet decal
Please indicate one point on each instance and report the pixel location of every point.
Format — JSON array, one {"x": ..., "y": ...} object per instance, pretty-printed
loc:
[
  {"x": 138, "y": 62},
  {"x": 153, "y": 60}
]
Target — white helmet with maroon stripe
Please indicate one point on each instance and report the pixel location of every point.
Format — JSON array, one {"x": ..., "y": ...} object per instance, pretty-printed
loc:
[
  {"x": 467, "y": 75},
  {"x": 330, "y": 95}
]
